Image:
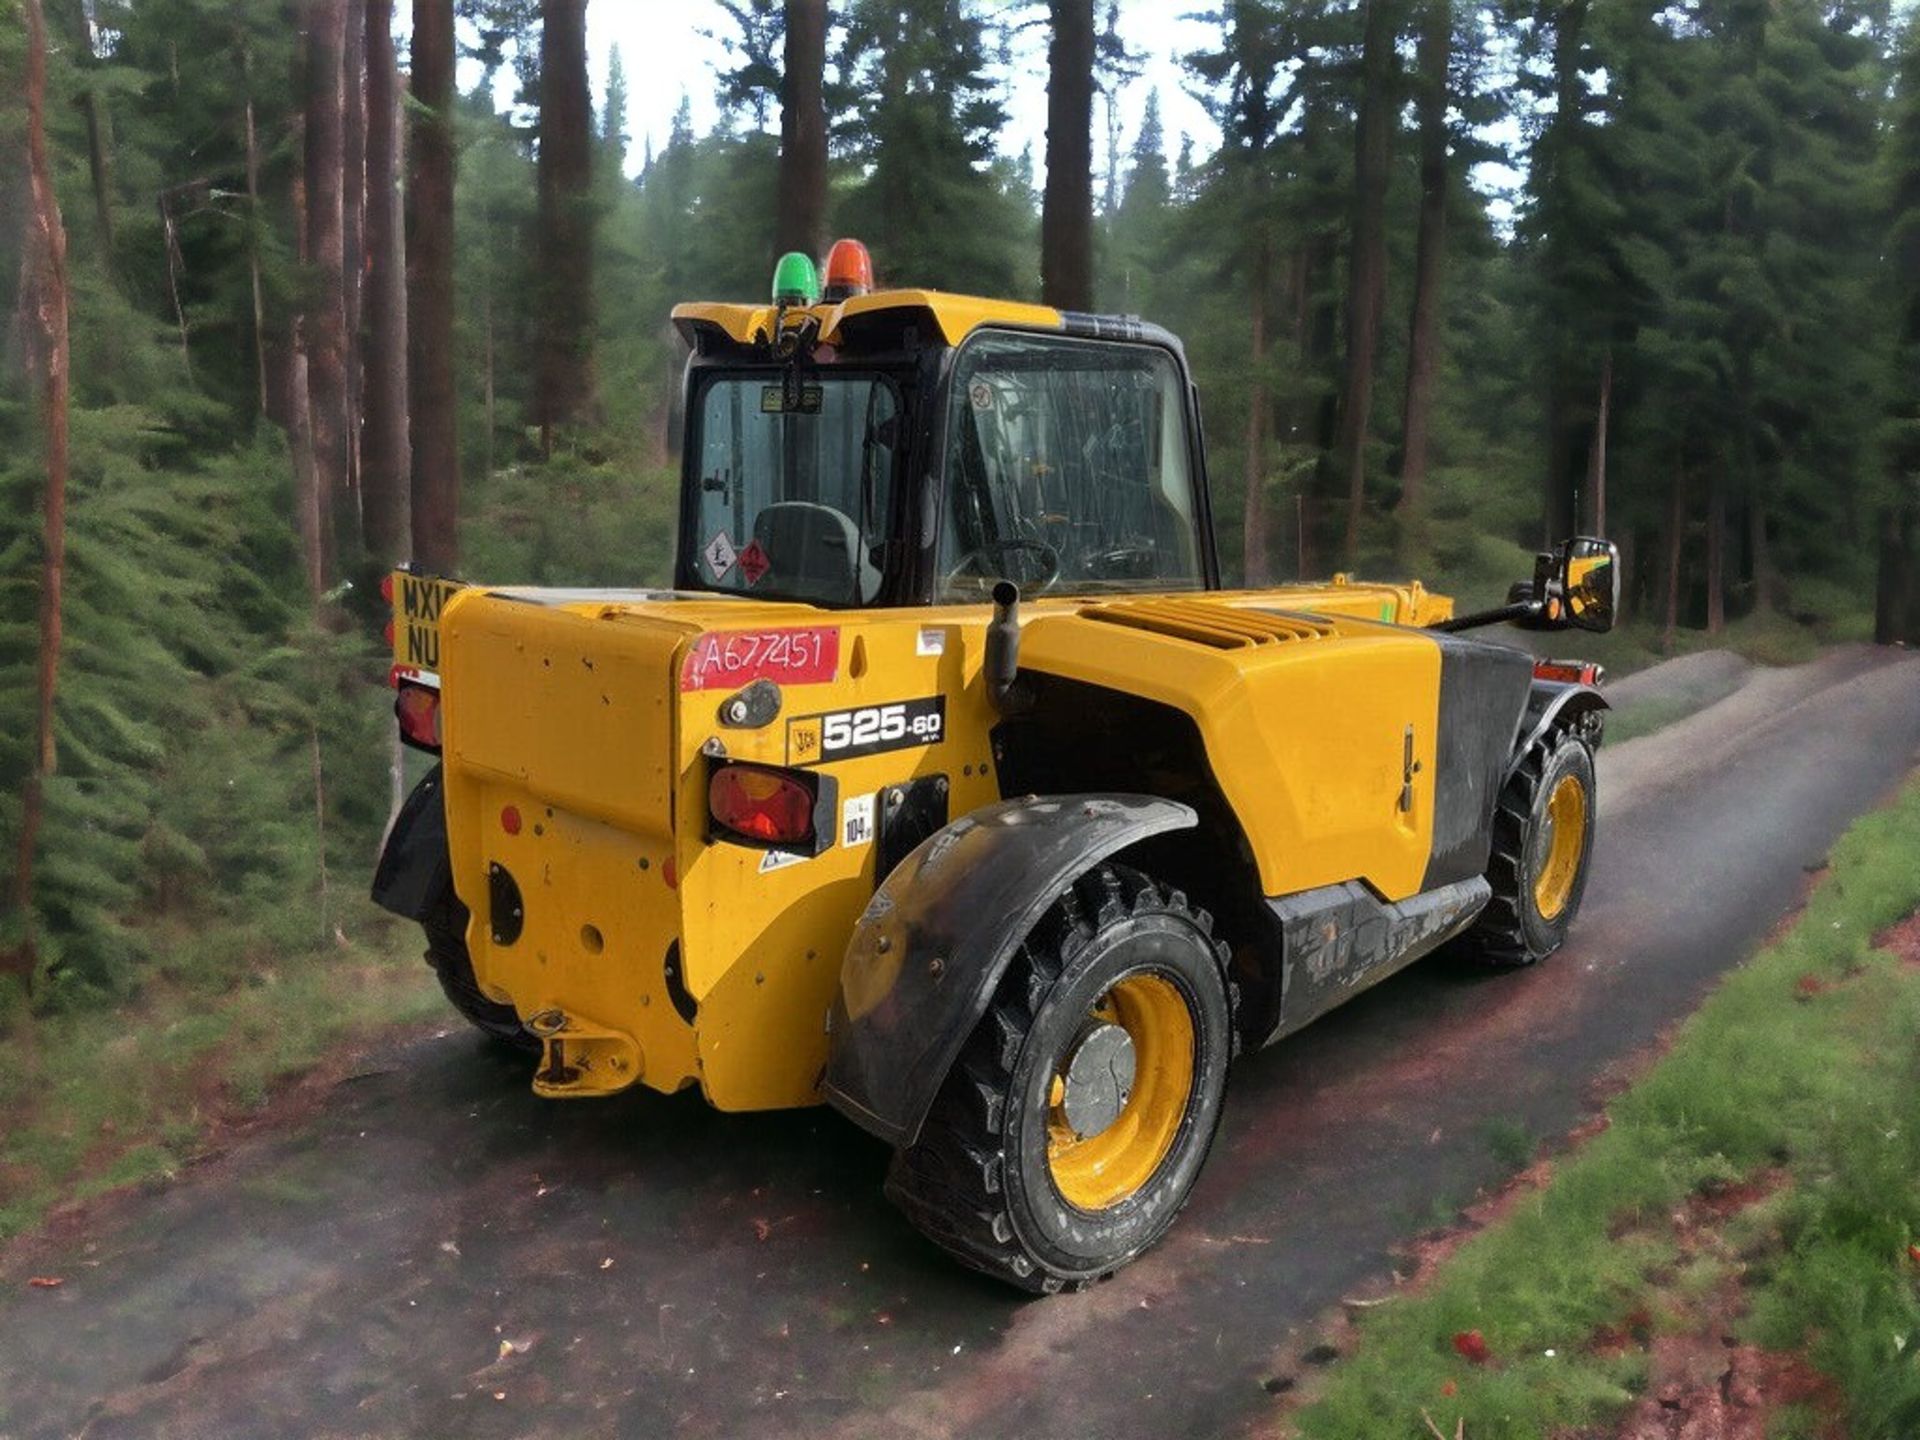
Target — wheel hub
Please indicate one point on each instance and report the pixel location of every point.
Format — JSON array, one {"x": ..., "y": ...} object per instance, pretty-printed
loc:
[{"x": 1098, "y": 1079}]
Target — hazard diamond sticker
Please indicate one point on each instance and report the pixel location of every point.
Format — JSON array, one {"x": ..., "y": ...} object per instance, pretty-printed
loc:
[
  {"x": 754, "y": 562},
  {"x": 720, "y": 555}
]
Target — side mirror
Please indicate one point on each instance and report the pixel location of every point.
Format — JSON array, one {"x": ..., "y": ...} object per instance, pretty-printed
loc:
[
  {"x": 1589, "y": 582},
  {"x": 1575, "y": 585}
]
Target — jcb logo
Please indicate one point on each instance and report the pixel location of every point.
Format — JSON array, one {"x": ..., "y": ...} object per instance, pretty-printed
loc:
[{"x": 803, "y": 741}]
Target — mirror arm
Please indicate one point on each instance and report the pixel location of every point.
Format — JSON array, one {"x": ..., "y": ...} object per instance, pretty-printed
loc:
[{"x": 1518, "y": 610}]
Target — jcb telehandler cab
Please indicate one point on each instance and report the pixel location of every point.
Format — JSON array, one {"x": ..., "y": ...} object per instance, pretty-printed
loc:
[{"x": 948, "y": 786}]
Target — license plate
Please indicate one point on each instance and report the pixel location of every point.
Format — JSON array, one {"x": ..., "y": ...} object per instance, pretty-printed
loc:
[{"x": 417, "y": 603}]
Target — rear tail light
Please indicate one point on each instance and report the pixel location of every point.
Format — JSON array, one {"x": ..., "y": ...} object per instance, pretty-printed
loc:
[
  {"x": 1569, "y": 672},
  {"x": 417, "y": 708},
  {"x": 764, "y": 806}
]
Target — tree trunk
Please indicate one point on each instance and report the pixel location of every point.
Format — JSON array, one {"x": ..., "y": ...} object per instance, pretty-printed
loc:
[
  {"x": 325, "y": 323},
  {"x": 170, "y": 244},
  {"x": 353, "y": 223},
  {"x": 99, "y": 170},
  {"x": 802, "y": 220},
  {"x": 1566, "y": 447},
  {"x": 1597, "y": 450},
  {"x": 1254, "y": 525},
  {"x": 43, "y": 331},
  {"x": 1423, "y": 340},
  {"x": 1716, "y": 551},
  {"x": 256, "y": 228},
  {"x": 1760, "y": 556},
  {"x": 436, "y": 450},
  {"x": 566, "y": 219},
  {"x": 384, "y": 455},
  {"x": 1893, "y": 586},
  {"x": 309, "y": 508},
  {"x": 1367, "y": 266},
  {"x": 1066, "y": 215},
  {"x": 1676, "y": 538},
  {"x": 296, "y": 404}
]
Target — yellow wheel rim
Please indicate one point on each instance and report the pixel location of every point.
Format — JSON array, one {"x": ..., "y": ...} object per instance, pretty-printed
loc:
[
  {"x": 1095, "y": 1172},
  {"x": 1566, "y": 847}
]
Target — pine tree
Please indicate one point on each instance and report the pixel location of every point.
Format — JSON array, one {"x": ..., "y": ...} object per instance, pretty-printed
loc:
[
  {"x": 1237, "y": 202},
  {"x": 931, "y": 206},
  {"x": 44, "y": 316},
  {"x": 430, "y": 292},
  {"x": 1367, "y": 251},
  {"x": 385, "y": 454},
  {"x": 1137, "y": 230},
  {"x": 567, "y": 221},
  {"x": 613, "y": 115},
  {"x": 803, "y": 130},
  {"x": 1897, "y": 586},
  {"x": 1066, "y": 221}
]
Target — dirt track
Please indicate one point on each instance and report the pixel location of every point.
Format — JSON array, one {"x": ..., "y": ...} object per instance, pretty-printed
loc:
[{"x": 435, "y": 1252}]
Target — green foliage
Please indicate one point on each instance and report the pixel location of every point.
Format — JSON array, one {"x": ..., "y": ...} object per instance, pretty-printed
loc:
[
  {"x": 921, "y": 132},
  {"x": 193, "y": 689}
]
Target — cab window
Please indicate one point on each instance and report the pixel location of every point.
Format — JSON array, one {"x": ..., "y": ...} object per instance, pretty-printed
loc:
[
  {"x": 795, "y": 485},
  {"x": 1068, "y": 470}
]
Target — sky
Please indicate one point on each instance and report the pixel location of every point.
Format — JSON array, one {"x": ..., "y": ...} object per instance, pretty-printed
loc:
[{"x": 662, "y": 38}]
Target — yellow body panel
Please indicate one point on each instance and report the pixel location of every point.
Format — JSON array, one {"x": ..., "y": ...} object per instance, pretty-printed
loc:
[
  {"x": 1308, "y": 737},
  {"x": 569, "y": 708}
]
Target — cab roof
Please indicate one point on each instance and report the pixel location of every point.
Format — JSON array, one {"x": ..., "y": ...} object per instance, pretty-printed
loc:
[
  {"x": 876, "y": 319},
  {"x": 956, "y": 316}
]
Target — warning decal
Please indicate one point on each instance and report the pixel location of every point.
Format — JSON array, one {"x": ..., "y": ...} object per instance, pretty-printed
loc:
[
  {"x": 720, "y": 555},
  {"x": 754, "y": 562}
]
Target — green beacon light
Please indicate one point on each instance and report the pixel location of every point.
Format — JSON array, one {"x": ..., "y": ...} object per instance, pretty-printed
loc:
[{"x": 795, "y": 281}]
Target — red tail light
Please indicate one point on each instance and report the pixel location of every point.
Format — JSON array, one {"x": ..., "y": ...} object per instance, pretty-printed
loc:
[
  {"x": 1568, "y": 672},
  {"x": 417, "y": 708},
  {"x": 762, "y": 806}
]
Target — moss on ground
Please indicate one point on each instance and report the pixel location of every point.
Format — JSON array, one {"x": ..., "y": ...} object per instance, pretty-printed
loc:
[
  {"x": 97, "y": 1099},
  {"x": 1803, "y": 1061}
]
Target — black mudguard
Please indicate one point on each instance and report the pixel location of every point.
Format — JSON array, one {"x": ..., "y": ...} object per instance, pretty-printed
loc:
[
  {"x": 1552, "y": 703},
  {"x": 415, "y": 869},
  {"x": 929, "y": 951}
]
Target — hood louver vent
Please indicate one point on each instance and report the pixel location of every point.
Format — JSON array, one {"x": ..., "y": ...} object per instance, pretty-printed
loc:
[{"x": 1222, "y": 627}]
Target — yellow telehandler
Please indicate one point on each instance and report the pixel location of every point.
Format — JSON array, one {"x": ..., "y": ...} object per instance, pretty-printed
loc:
[{"x": 947, "y": 785}]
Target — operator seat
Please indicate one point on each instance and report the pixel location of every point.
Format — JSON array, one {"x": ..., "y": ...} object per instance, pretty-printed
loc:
[{"x": 814, "y": 553}]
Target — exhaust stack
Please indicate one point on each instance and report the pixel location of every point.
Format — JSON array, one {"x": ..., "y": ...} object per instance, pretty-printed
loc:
[{"x": 1004, "y": 691}]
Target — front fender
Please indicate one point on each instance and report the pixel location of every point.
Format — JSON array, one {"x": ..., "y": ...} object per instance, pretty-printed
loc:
[
  {"x": 929, "y": 951},
  {"x": 1553, "y": 703},
  {"x": 415, "y": 867}
]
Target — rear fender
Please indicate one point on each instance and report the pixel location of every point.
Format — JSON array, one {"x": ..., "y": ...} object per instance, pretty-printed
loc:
[
  {"x": 1556, "y": 704},
  {"x": 415, "y": 868},
  {"x": 929, "y": 951}
]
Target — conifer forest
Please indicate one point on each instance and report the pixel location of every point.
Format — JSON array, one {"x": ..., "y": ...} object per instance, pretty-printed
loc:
[{"x": 305, "y": 289}]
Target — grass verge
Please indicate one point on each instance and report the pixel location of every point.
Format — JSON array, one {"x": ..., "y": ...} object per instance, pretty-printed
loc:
[
  {"x": 1798, "y": 1083},
  {"x": 98, "y": 1098}
]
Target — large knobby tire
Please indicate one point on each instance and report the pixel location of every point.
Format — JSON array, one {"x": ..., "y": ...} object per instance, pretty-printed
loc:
[
  {"x": 446, "y": 929},
  {"x": 998, "y": 1176},
  {"x": 1542, "y": 851}
]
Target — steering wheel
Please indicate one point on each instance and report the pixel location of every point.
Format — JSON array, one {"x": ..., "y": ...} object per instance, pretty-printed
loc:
[
  {"x": 1137, "y": 561},
  {"x": 1049, "y": 558}
]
